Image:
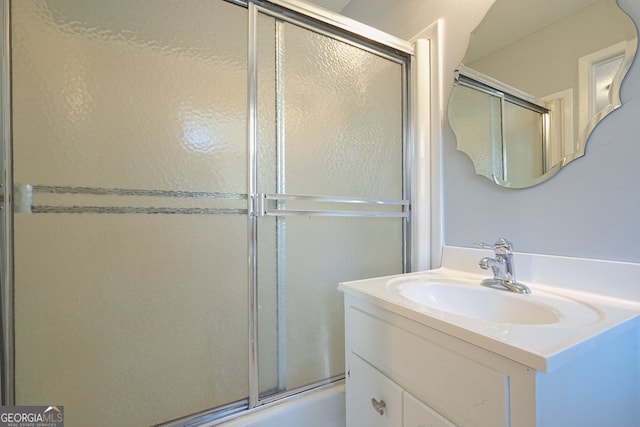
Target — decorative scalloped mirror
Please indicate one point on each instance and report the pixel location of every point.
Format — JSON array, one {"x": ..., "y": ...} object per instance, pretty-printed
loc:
[{"x": 537, "y": 77}]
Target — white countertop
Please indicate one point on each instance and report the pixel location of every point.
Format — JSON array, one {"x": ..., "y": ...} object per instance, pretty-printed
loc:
[{"x": 586, "y": 319}]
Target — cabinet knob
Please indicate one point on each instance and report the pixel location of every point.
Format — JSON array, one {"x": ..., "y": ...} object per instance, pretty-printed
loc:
[{"x": 378, "y": 405}]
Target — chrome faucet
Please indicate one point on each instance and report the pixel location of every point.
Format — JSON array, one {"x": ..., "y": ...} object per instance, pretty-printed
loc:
[{"x": 504, "y": 276}]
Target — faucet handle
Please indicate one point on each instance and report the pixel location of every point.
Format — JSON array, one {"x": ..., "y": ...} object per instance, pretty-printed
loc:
[
  {"x": 482, "y": 245},
  {"x": 501, "y": 245}
]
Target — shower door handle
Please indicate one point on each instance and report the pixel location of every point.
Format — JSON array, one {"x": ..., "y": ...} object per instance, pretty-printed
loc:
[
  {"x": 273, "y": 205},
  {"x": 22, "y": 197}
]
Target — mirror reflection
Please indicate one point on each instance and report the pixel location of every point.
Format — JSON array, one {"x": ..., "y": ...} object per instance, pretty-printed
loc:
[{"x": 536, "y": 79}]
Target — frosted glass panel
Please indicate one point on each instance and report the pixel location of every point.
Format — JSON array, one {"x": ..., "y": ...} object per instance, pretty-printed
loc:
[
  {"x": 331, "y": 127},
  {"x": 343, "y": 115},
  {"x": 127, "y": 313},
  {"x": 321, "y": 253},
  {"x": 315, "y": 254},
  {"x": 134, "y": 94},
  {"x": 122, "y": 109}
]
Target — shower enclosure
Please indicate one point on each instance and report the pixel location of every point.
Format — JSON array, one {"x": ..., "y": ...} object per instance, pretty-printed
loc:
[{"x": 184, "y": 189}]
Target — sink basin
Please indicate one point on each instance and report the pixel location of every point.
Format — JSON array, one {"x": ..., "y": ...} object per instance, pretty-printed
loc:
[
  {"x": 465, "y": 298},
  {"x": 480, "y": 303}
]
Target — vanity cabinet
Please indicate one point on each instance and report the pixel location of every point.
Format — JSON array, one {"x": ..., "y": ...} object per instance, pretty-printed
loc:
[
  {"x": 424, "y": 377},
  {"x": 429, "y": 378}
]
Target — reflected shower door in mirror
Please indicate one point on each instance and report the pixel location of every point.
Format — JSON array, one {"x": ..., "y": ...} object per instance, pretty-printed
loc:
[
  {"x": 568, "y": 58},
  {"x": 506, "y": 135}
]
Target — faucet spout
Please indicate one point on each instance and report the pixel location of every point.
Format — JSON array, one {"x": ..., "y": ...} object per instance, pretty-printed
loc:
[
  {"x": 498, "y": 267},
  {"x": 502, "y": 268}
]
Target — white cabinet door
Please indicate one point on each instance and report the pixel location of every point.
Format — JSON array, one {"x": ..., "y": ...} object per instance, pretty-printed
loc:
[
  {"x": 417, "y": 414},
  {"x": 373, "y": 400}
]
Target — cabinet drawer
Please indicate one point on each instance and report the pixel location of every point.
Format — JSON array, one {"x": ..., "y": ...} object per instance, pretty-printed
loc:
[
  {"x": 365, "y": 383},
  {"x": 456, "y": 386}
]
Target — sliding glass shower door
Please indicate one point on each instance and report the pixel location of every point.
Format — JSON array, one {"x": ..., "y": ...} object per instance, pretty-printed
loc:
[
  {"x": 188, "y": 185},
  {"x": 130, "y": 245},
  {"x": 330, "y": 119}
]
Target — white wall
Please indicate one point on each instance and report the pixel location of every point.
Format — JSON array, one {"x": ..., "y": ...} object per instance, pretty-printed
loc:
[{"x": 590, "y": 209}]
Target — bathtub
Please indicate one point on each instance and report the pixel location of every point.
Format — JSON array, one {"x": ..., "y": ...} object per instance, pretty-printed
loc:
[{"x": 318, "y": 408}]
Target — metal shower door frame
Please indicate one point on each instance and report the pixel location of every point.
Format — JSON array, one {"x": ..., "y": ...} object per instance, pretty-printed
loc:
[{"x": 6, "y": 263}]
